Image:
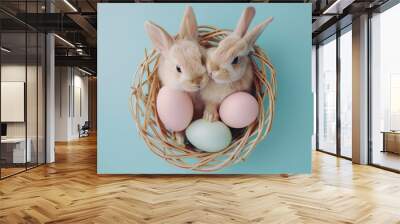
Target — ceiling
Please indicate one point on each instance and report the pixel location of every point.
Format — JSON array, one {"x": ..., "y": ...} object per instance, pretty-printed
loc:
[{"x": 75, "y": 22}]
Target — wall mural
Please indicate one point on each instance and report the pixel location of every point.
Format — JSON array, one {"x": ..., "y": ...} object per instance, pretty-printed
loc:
[
  {"x": 209, "y": 112},
  {"x": 205, "y": 97}
]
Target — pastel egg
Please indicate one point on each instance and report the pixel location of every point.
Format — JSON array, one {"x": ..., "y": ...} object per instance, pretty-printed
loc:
[
  {"x": 239, "y": 110},
  {"x": 209, "y": 136},
  {"x": 174, "y": 108}
]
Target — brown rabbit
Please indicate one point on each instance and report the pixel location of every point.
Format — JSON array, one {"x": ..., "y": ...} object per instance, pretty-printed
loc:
[
  {"x": 229, "y": 64},
  {"x": 182, "y": 59}
]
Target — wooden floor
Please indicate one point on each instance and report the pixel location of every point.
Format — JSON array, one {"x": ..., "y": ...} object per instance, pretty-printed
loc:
[
  {"x": 69, "y": 191},
  {"x": 5, "y": 172}
]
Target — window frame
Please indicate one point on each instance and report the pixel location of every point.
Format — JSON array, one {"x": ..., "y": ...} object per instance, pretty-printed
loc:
[{"x": 337, "y": 35}]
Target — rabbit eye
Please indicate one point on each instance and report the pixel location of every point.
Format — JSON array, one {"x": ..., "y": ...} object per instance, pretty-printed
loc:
[
  {"x": 235, "y": 61},
  {"x": 178, "y": 68}
]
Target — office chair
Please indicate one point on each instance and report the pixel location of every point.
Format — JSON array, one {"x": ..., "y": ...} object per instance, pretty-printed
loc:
[{"x": 84, "y": 130}]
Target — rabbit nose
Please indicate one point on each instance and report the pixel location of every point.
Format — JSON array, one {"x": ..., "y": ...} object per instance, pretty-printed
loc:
[
  {"x": 212, "y": 67},
  {"x": 197, "y": 80}
]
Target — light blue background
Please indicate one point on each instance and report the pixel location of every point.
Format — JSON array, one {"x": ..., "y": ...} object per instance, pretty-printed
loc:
[{"x": 121, "y": 43}]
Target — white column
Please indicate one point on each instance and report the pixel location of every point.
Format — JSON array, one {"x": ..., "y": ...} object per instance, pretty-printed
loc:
[
  {"x": 360, "y": 90},
  {"x": 50, "y": 100}
]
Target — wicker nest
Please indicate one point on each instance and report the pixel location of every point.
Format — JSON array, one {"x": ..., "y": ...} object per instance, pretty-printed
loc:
[{"x": 142, "y": 103}]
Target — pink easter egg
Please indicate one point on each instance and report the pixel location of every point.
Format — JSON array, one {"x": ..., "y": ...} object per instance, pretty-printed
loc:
[
  {"x": 239, "y": 110},
  {"x": 174, "y": 108}
]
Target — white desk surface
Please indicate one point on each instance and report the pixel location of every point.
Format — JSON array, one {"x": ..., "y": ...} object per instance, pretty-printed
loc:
[
  {"x": 21, "y": 154},
  {"x": 13, "y": 140}
]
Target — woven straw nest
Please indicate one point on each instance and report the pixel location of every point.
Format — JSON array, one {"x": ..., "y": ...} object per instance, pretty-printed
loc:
[{"x": 163, "y": 143}]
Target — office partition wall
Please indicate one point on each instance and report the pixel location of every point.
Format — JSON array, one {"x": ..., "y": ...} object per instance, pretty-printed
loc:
[{"x": 22, "y": 87}]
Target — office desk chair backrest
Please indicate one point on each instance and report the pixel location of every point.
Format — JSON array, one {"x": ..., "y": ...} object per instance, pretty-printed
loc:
[
  {"x": 86, "y": 126},
  {"x": 3, "y": 129}
]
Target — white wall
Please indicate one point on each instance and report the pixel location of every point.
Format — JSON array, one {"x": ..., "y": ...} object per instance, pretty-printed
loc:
[
  {"x": 71, "y": 102},
  {"x": 62, "y": 82},
  {"x": 17, "y": 73},
  {"x": 79, "y": 117},
  {"x": 12, "y": 73}
]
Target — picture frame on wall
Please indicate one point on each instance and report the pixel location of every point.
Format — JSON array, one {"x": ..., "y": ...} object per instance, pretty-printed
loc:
[{"x": 127, "y": 146}]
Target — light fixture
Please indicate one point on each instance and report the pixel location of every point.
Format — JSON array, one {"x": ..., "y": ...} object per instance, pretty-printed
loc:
[
  {"x": 329, "y": 9},
  {"x": 84, "y": 71},
  {"x": 79, "y": 51},
  {"x": 5, "y": 50},
  {"x": 64, "y": 40},
  {"x": 70, "y": 5},
  {"x": 338, "y": 6}
]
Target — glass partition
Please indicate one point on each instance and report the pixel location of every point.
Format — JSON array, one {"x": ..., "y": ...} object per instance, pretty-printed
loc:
[
  {"x": 334, "y": 94},
  {"x": 346, "y": 93},
  {"x": 327, "y": 96},
  {"x": 14, "y": 153},
  {"x": 32, "y": 95},
  {"x": 22, "y": 77},
  {"x": 41, "y": 97},
  {"x": 385, "y": 89}
]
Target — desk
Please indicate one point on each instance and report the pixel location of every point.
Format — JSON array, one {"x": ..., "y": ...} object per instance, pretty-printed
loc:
[
  {"x": 391, "y": 141},
  {"x": 16, "y": 147}
]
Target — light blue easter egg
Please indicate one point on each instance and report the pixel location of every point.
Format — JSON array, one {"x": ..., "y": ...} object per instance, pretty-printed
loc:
[{"x": 209, "y": 136}]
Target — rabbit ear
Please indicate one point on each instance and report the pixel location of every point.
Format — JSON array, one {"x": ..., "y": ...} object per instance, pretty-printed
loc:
[
  {"x": 160, "y": 38},
  {"x": 244, "y": 21},
  {"x": 188, "y": 27},
  {"x": 252, "y": 36}
]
